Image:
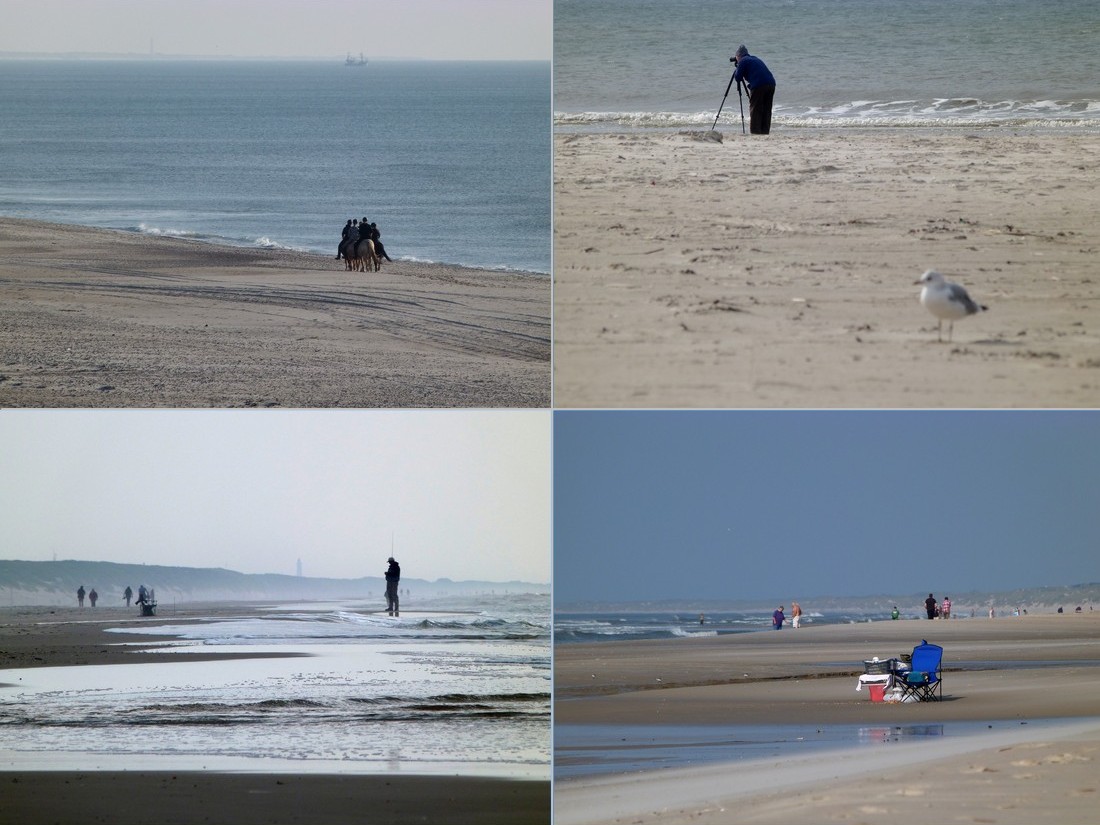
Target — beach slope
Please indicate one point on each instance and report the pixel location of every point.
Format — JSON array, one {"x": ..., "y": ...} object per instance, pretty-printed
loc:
[
  {"x": 1020, "y": 721},
  {"x": 779, "y": 271},
  {"x": 99, "y": 318}
]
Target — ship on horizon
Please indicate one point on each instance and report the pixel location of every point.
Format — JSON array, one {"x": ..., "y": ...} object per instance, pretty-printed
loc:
[{"x": 351, "y": 61}]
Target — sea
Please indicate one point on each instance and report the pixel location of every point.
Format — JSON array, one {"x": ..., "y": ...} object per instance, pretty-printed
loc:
[
  {"x": 450, "y": 159},
  {"x": 664, "y": 64},
  {"x": 333, "y": 688},
  {"x": 622, "y": 626}
]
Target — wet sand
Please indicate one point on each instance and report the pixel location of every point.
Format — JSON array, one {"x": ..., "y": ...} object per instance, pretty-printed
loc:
[
  {"x": 779, "y": 271},
  {"x": 97, "y": 318},
  {"x": 1009, "y": 673},
  {"x": 54, "y": 636},
  {"x": 183, "y": 798},
  {"x": 60, "y": 636}
]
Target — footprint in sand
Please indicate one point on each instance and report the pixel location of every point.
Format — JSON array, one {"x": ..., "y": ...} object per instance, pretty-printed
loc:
[{"x": 1067, "y": 757}]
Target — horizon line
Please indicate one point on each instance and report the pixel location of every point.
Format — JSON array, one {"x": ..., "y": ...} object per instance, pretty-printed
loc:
[{"x": 142, "y": 56}]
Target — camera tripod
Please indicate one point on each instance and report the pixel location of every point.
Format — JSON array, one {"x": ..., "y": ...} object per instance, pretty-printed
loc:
[{"x": 740, "y": 100}]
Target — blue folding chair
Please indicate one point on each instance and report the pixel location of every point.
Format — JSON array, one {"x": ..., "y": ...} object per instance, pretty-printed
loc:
[{"x": 923, "y": 681}]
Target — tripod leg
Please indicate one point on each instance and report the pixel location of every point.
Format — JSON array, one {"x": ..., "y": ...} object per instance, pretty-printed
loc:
[
  {"x": 728, "y": 87},
  {"x": 741, "y": 100}
]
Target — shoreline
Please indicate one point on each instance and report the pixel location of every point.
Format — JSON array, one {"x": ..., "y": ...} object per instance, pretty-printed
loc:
[
  {"x": 272, "y": 247},
  {"x": 52, "y": 636},
  {"x": 115, "y": 318},
  {"x": 730, "y": 128},
  {"x": 185, "y": 787},
  {"x": 777, "y": 272},
  {"x": 998, "y": 676}
]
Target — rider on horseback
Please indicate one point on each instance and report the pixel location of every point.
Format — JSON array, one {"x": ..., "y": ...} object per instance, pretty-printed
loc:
[{"x": 343, "y": 239}]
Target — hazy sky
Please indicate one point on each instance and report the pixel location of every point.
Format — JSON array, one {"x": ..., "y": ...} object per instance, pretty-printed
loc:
[
  {"x": 465, "y": 495},
  {"x": 434, "y": 29},
  {"x": 782, "y": 506}
]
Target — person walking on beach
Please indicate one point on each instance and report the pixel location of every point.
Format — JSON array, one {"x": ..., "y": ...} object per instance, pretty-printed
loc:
[
  {"x": 128, "y": 594},
  {"x": 930, "y": 606},
  {"x": 778, "y": 617},
  {"x": 393, "y": 576},
  {"x": 796, "y": 615},
  {"x": 80, "y": 595},
  {"x": 143, "y": 595},
  {"x": 93, "y": 597},
  {"x": 761, "y": 85}
]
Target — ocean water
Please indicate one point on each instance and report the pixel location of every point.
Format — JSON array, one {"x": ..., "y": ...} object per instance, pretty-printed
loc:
[
  {"x": 614, "y": 626},
  {"x": 838, "y": 63},
  {"x": 451, "y": 160},
  {"x": 347, "y": 691}
]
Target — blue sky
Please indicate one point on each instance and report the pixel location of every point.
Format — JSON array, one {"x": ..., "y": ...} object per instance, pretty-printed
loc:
[{"x": 790, "y": 505}]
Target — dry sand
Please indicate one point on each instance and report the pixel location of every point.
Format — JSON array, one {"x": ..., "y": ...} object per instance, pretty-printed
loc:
[
  {"x": 96, "y": 318},
  {"x": 779, "y": 271},
  {"x": 1008, "y": 672},
  {"x": 50, "y": 636}
]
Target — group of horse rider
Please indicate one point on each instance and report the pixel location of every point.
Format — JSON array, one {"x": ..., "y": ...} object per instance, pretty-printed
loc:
[{"x": 355, "y": 231}]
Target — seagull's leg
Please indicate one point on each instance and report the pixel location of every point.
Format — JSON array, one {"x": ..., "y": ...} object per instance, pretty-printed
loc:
[
  {"x": 939, "y": 330},
  {"x": 950, "y": 330}
]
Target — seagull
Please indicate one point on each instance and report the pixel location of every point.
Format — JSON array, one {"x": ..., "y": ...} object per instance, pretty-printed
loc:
[{"x": 945, "y": 300}]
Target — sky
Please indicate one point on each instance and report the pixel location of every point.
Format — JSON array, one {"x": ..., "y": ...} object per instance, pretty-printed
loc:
[
  {"x": 790, "y": 505},
  {"x": 463, "y": 495},
  {"x": 421, "y": 29}
]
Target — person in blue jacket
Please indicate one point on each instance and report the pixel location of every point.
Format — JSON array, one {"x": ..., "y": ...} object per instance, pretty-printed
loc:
[
  {"x": 761, "y": 85},
  {"x": 777, "y": 618}
]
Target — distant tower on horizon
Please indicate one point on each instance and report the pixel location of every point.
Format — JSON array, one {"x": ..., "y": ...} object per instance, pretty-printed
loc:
[{"x": 299, "y": 568}]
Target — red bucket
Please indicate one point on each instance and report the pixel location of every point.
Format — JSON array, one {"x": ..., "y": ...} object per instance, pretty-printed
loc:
[{"x": 877, "y": 692}]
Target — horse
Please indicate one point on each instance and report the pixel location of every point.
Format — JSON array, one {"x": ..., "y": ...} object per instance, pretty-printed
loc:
[
  {"x": 347, "y": 252},
  {"x": 363, "y": 255}
]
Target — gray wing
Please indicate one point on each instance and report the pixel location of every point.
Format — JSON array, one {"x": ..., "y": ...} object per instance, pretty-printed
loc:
[{"x": 959, "y": 296}]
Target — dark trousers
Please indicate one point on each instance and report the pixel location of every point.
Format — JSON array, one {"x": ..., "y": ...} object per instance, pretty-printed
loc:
[
  {"x": 392, "y": 603},
  {"x": 760, "y": 109}
]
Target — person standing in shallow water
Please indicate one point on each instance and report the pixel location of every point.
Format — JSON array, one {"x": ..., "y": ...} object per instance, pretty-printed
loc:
[
  {"x": 393, "y": 578},
  {"x": 796, "y": 615},
  {"x": 930, "y": 606},
  {"x": 777, "y": 618},
  {"x": 761, "y": 85}
]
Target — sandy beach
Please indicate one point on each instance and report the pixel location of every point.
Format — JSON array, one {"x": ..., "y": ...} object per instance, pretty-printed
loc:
[
  {"x": 53, "y": 636},
  {"x": 779, "y": 271},
  {"x": 97, "y": 318},
  {"x": 1030, "y": 680}
]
